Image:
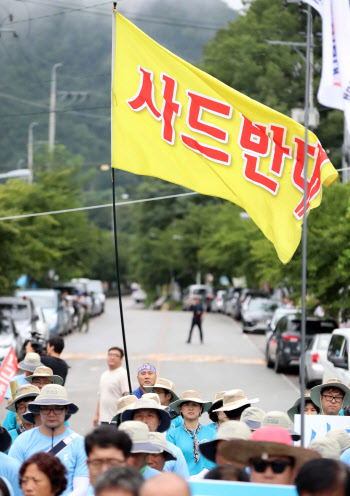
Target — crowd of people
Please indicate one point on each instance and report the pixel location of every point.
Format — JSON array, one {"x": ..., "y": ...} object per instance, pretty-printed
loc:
[{"x": 153, "y": 442}]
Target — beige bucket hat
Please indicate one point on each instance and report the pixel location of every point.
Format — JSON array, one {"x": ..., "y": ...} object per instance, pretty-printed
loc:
[
  {"x": 253, "y": 416},
  {"x": 294, "y": 410},
  {"x": 341, "y": 436},
  {"x": 232, "y": 429},
  {"x": 281, "y": 419},
  {"x": 159, "y": 441},
  {"x": 30, "y": 363},
  {"x": 164, "y": 384},
  {"x": 218, "y": 400},
  {"x": 190, "y": 395},
  {"x": 43, "y": 371},
  {"x": 52, "y": 394},
  {"x": 123, "y": 404},
  {"x": 234, "y": 399},
  {"x": 315, "y": 392},
  {"x": 23, "y": 392},
  {"x": 148, "y": 400},
  {"x": 139, "y": 435},
  {"x": 327, "y": 447}
]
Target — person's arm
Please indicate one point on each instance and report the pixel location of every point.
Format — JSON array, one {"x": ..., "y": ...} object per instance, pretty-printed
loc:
[{"x": 97, "y": 414}]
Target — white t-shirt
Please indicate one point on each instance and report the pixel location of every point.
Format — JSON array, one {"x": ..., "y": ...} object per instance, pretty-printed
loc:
[{"x": 113, "y": 384}]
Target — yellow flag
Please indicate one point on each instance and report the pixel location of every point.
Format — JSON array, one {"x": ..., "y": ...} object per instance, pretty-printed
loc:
[{"x": 173, "y": 121}]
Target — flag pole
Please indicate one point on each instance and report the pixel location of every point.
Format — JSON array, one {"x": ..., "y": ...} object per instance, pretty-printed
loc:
[
  {"x": 114, "y": 212},
  {"x": 304, "y": 229}
]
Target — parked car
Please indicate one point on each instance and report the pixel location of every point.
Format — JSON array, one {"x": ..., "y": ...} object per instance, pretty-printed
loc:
[
  {"x": 203, "y": 292},
  {"x": 56, "y": 314},
  {"x": 257, "y": 314},
  {"x": 315, "y": 354},
  {"x": 230, "y": 300},
  {"x": 236, "y": 306},
  {"x": 9, "y": 337},
  {"x": 278, "y": 314},
  {"x": 336, "y": 362},
  {"x": 283, "y": 348},
  {"x": 26, "y": 317},
  {"x": 218, "y": 304}
]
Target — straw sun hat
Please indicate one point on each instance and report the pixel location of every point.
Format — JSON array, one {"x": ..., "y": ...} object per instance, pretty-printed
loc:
[
  {"x": 30, "y": 363},
  {"x": 23, "y": 392},
  {"x": 164, "y": 384},
  {"x": 151, "y": 401},
  {"x": 123, "y": 404},
  {"x": 232, "y": 429},
  {"x": 45, "y": 372},
  {"x": 188, "y": 396},
  {"x": 234, "y": 399},
  {"x": 52, "y": 394}
]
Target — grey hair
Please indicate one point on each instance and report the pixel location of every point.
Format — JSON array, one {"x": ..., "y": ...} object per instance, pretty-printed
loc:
[{"x": 126, "y": 477}]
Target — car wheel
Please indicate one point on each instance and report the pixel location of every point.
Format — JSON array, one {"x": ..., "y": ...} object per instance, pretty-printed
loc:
[
  {"x": 278, "y": 367},
  {"x": 269, "y": 362}
]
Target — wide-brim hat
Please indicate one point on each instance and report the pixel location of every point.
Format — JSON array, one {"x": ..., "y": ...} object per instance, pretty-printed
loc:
[
  {"x": 232, "y": 429},
  {"x": 253, "y": 416},
  {"x": 123, "y": 404},
  {"x": 139, "y": 435},
  {"x": 315, "y": 392},
  {"x": 341, "y": 436},
  {"x": 30, "y": 362},
  {"x": 164, "y": 416},
  {"x": 188, "y": 396},
  {"x": 242, "y": 451},
  {"x": 327, "y": 447},
  {"x": 159, "y": 441},
  {"x": 45, "y": 372},
  {"x": 234, "y": 399},
  {"x": 294, "y": 410},
  {"x": 280, "y": 419},
  {"x": 164, "y": 384},
  {"x": 5, "y": 439},
  {"x": 23, "y": 392},
  {"x": 52, "y": 394},
  {"x": 218, "y": 401}
]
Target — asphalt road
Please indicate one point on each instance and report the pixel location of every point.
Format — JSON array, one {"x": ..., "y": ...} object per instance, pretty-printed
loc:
[{"x": 228, "y": 359}]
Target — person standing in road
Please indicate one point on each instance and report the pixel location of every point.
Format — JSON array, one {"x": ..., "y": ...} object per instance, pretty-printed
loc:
[
  {"x": 113, "y": 385},
  {"x": 197, "y": 319},
  {"x": 147, "y": 376},
  {"x": 53, "y": 358}
]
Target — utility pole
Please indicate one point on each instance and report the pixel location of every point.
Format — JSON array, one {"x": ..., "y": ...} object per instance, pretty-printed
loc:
[
  {"x": 30, "y": 150},
  {"x": 52, "y": 117}
]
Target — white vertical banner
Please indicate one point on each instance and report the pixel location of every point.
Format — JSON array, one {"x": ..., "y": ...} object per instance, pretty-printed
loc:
[
  {"x": 334, "y": 90},
  {"x": 317, "y": 426}
]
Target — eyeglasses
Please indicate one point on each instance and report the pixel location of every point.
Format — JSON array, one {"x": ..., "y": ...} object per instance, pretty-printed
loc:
[
  {"x": 97, "y": 463},
  {"x": 337, "y": 399},
  {"x": 41, "y": 382},
  {"x": 55, "y": 409},
  {"x": 21, "y": 408},
  {"x": 277, "y": 466}
]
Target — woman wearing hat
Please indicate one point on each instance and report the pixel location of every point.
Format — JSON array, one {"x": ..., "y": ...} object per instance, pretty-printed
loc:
[
  {"x": 217, "y": 418},
  {"x": 310, "y": 408},
  {"x": 234, "y": 403},
  {"x": 192, "y": 433}
]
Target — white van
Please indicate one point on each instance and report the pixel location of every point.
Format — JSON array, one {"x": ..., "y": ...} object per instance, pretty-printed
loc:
[{"x": 336, "y": 364}]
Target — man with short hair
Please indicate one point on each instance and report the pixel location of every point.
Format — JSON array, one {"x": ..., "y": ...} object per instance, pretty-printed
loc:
[
  {"x": 119, "y": 481},
  {"x": 106, "y": 448},
  {"x": 54, "y": 437},
  {"x": 331, "y": 396},
  {"x": 146, "y": 376},
  {"x": 197, "y": 319},
  {"x": 25, "y": 395},
  {"x": 113, "y": 385},
  {"x": 53, "y": 358},
  {"x": 323, "y": 477},
  {"x": 166, "y": 484}
]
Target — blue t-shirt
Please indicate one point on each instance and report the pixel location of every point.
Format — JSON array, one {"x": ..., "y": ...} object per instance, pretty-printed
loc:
[
  {"x": 213, "y": 426},
  {"x": 138, "y": 393},
  {"x": 177, "y": 422},
  {"x": 179, "y": 466},
  {"x": 345, "y": 456},
  {"x": 73, "y": 456},
  {"x": 9, "y": 470},
  {"x": 21, "y": 381},
  {"x": 184, "y": 441},
  {"x": 150, "y": 472}
]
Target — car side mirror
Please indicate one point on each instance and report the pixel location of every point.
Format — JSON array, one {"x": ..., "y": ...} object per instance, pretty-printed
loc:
[{"x": 339, "y": 362}]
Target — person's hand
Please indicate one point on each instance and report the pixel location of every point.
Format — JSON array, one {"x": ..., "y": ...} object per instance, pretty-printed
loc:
[
  {"x": 95, "y": 421},
  {"x": 29, "y": 348}
]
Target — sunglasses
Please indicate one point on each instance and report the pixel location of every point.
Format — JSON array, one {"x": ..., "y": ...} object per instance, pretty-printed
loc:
[{"x": 277, "y": 466}]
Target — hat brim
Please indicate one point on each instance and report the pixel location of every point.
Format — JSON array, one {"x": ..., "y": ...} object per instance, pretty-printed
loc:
[
  {"x": 35, "y": 406},
  {"x": 165, "y": 420},
  {"x": 149, "y": 389},
  {"x": 12, "y": 405},
  {"x": 315, "y": 393},
  {"x": 168, "y": 455},
  {"x": 28, "y": 368},
  {"x": 145, "y": 448},
  {"x": 5, "y": 439},
  {"x": 204, "y": 404},
  {"x": 237, "y": 404},
  {"x": 208, "y": 449},
  {"x": 56, "y": 379},
  {"x": 215, "y": 405},
  {"x": 252, "y": 424},
  {"x": 241, "y": 451}
]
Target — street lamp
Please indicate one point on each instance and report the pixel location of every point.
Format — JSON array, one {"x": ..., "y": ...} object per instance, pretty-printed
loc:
[
  {"x": 52, "y": 118},
  {"x": 30, "y": 149}
]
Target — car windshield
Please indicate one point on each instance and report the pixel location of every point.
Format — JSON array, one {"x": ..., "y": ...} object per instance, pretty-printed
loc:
[
  {"x": 17, "y": 311},
  {"x": 95, "y": 286},
  {"x": 280, "y": 312},
  {"x": 43, "y": 300},
  {"x": 262, "y": 305},
  {"x": 323, "y": 342},
  {"x": 199, "y": 291}
]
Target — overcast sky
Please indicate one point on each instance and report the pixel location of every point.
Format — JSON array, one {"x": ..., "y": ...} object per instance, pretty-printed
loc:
[{"x": 235, "y": 4}]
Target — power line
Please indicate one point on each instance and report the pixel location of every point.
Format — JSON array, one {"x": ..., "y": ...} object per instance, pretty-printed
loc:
[
  {"x": 60, "y": 111},
  {"x": 131, "y": 202}
]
